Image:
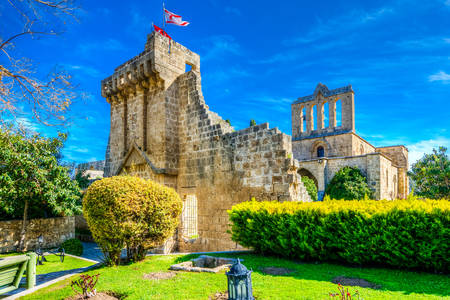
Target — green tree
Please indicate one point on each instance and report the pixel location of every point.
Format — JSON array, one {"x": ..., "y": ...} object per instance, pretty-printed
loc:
[
  {"x": 431, "y": 175},
  {"x": 310, "y": 187},
  {"x": 32, "y": 183},
  {"x": 252, "y": 123},
  {"x": 82, "y": 180},
  {"x": 349, "y": 184}
]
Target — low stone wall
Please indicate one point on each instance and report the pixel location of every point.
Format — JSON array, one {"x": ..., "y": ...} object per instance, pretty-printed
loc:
[
  {"x": 54, "y": 230},
  {"x": 81, "y": 223}
]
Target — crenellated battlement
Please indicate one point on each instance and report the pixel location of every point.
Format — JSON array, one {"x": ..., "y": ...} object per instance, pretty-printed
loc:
[{"x": 162, "y": 61}]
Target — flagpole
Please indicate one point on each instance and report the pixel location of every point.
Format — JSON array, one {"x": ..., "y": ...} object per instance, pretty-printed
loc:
[{"x": 164, "y": 17}]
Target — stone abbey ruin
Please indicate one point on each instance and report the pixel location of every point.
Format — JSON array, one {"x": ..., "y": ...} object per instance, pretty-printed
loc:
[{"x": 162, "y": 129}]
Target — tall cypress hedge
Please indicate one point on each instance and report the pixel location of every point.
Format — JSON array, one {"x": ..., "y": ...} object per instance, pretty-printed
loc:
[{"x": 408, "y": 234}]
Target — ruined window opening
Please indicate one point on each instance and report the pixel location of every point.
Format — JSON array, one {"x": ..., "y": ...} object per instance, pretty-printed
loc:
[
  {"x": 303, "y": 119},
  {"x": 189, "y": 217},
  {"x": 338, "y": 113},
  {"x": 314, "y": 117},
  {"x": 325, "y": 116},
  {"x": 320, "y": 151},
  {"x": 188, "y": 68}
]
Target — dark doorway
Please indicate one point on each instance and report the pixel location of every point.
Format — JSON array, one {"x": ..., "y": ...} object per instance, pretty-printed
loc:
[{"x": 320, "y": 151}]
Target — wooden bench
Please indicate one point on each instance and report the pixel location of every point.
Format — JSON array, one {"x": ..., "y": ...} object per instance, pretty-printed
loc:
[{"x": 12, "y": 270}]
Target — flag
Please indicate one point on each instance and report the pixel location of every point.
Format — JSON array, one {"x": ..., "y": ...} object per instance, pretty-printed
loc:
[
  {"x": 162, "y": 32},
  {"x": 172, "y": 18}
]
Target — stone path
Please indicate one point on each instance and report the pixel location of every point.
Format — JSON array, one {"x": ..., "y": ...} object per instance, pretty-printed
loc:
[{"x": 92, "y": 251}]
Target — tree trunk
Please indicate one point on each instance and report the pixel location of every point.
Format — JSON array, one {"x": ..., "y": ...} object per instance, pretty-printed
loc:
[{"x": 24, "y": 227}]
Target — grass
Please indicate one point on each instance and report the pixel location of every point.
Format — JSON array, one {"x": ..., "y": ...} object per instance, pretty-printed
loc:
[
  {"x": 309, "y": 281},
  {"x": 53, "y": 263}
]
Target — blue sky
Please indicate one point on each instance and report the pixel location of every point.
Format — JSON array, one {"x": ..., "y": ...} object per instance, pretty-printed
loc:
[{"x": 259, "y": 56}]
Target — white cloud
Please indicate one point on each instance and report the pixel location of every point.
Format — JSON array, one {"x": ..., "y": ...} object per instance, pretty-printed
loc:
[
  {"x": 417, "y": 150},
  {"x": 440, "y": 76},
  {"x": 27, "y": 123},
  {"x": 90, "y": 71},
  {"x": 333, "y": 27},
  {"x": 220, "y": 45}
]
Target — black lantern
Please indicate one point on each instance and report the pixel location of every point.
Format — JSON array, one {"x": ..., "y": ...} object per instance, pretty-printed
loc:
[
  {"x": 39, "y": 252},
  {"x": 239, "y": 282}
]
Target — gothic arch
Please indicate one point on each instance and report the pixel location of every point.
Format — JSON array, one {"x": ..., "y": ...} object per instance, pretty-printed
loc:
[
  {"x": 304, "y": 172},
  {"x": 315, "y": 149}
]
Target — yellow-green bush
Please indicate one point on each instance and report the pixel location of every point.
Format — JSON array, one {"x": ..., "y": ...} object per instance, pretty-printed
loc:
[
  {"x": 408, "y": 234},
  {"x": 131, "y": 212}
]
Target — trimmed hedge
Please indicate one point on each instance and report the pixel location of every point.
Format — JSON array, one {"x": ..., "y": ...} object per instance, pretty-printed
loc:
[
  {"x": 408, "y": 234},
  {"x": 73, "y": 246}
]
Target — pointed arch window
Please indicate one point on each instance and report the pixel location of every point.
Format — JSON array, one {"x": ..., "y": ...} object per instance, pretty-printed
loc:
[{"x": 320, "y": 151}]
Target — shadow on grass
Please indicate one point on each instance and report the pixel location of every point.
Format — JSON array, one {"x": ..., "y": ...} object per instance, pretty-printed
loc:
[{"x": 389, "y": 279}]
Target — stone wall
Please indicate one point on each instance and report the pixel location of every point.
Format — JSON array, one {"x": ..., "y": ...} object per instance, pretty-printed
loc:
[
  {"x": 54, "y": 230},
  {"x": 334, "y": 146},
  {"x": 162, "y": 129},
  {"x": 382, "y": 175}
]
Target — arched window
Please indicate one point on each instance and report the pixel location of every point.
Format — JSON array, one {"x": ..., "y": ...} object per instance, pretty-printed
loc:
[
  {"x": 314, "y": 117},
  {"x": 326, "y": 118},
  {"x": 303, "y": 120},
  {"x": 320, "y": 151},
  {"x": 338, "y": 112}
]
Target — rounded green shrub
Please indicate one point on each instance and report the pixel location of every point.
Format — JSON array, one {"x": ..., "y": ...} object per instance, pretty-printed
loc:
[
  {"x": 310, "y": 187},
  {"x": 131, "y": 212},
  {"x": 348, "y": 184},
  {"x": 73, "y": 246}
]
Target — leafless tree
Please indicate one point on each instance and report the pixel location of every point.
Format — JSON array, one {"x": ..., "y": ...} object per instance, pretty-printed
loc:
[{"x": 48, "y": 98}]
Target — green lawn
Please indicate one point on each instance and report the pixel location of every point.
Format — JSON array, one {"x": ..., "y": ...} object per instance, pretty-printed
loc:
[
  {"x": 309, "y": 281},
  {"x": 53, "y": 263}
]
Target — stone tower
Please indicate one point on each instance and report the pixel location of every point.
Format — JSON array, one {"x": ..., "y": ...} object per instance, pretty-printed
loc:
[{"x": 162, "y": 129}]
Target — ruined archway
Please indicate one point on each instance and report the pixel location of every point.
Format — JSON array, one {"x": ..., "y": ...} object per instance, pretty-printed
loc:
[{"x": 304, "y": 172}]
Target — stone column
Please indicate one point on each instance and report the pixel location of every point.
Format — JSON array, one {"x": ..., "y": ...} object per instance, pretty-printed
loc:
[
  {"x": 295, "y": 121},
  {"x": 332, "y": 114},
  {"x": 320, "y": 121},
  {"x": 309, "y": 119},
  {"x": 348, "y": 112}
]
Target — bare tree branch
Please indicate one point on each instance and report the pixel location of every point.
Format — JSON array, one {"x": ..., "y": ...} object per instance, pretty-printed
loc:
[{"x": 48, "y": 98}]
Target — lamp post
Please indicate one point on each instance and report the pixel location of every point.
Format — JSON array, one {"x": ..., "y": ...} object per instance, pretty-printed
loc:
[
  {"x": 39, "y": 252},
  {"x": 239, "y": 282}
]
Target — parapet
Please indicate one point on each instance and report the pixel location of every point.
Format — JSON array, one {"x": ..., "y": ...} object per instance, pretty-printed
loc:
[
  {"x": 323, "y": 89},
  {"x": 162, "y": 60}
]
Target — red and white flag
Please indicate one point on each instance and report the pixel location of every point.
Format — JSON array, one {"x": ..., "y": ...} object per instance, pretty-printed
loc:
[
  {"x": 161, "y": 31},
  {"x": 172, "y": 18}
]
